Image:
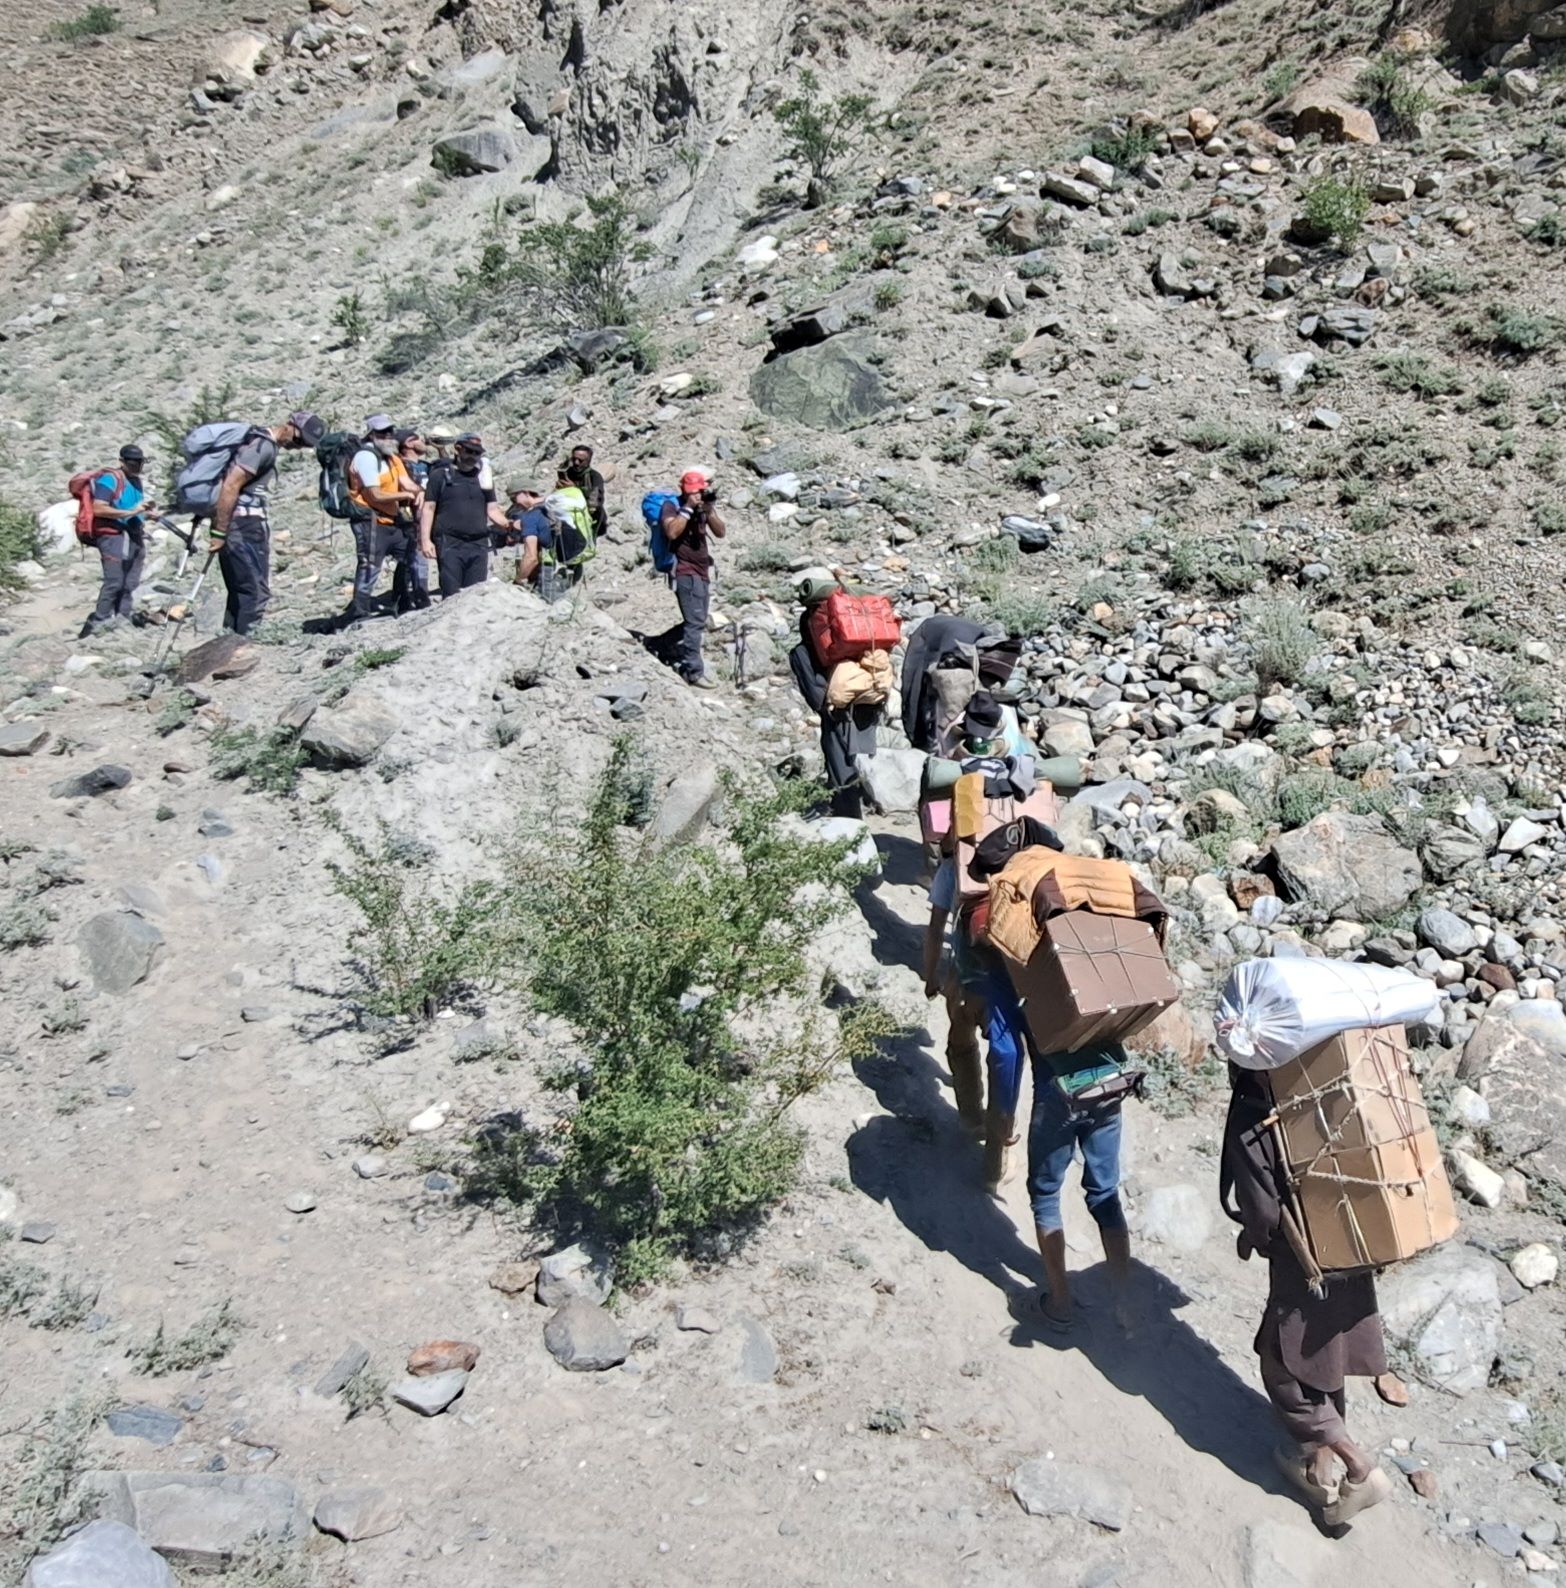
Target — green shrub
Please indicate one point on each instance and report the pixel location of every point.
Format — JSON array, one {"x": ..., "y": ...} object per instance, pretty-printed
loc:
[
  {"x": 768, "y": 557},
  {"x": 1550, "y": 517},
  {"x": 422, "y": 942},
  {"x": 25, "y": 924},
  {"x": 886, "y": 244},
  {"x": 1281, "y": 81},
  {"x": 41, "y": 1495},
  {"x": 1281, "y": 639},
  {"x": 888, "y": 294},
  {"x": 269, "y": 760},
  {"x": 45, "y": 235},
  {"x": 93, "y": 23},
  {"x": 351, "y": 318},
  {"x": 1440, "y": 282},
  {"x": 1518, "y": 332},
  {"x": 1337, "y": 208},
  {"x": 1021, "y": 613},
  {"x": 1173, "y": 1088},
  {"x": 822, "y": 133},
  {"x": 212, "y": 403},
  {"x": 1126, "y": 150},
  {"x": 1370, "y": 518},
  {"x": 1405, "y": 372},
  {"x": 1550, "y": 230},
  {"x": 1398, "y": 105},
  {"x": 682, "y": 972},
  {"x": 18, "y": 542},
  {"x": 209, "y": 1339},
  {"x": 1214, "y": 435},
  {"x": 1143, "y": 219}
]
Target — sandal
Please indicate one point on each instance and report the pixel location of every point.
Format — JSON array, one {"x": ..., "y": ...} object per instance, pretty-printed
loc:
[
  {"x": 1356, "y": 1497},
  {"x": 1391, "y": 1389},
  {"x": 1302, "y": 1479},
  {"x": 1036, "y": 1310}
]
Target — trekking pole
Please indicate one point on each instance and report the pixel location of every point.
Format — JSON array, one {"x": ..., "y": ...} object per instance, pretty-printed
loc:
[
  {"x": 180, "y": 611},
  {"x": 188, "y": 542}
]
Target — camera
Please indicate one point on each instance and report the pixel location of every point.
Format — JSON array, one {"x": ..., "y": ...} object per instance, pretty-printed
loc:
[{"x": 709, "y": 496}]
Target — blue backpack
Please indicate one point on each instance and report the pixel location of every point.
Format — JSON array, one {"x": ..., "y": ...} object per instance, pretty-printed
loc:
[{"x": 657, "y": 542}]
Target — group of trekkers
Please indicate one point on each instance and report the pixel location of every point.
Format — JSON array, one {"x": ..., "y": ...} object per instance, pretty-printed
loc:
[
  {"x": 414, "y": 499},
  {"x": 420, "y": 498}
]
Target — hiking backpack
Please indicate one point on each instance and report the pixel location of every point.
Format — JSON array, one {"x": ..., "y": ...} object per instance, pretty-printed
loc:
[
  {"x": 571, "y": 525},
  {"x": 209, "y": 451},
  {"x": 334, "y": 452},
  {"x": 88, "y": 530},
  {"x": 658, "y": 547}
]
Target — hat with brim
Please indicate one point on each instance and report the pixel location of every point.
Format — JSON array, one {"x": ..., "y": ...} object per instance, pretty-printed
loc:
[
  {"x": 982, "y": 720},
  {"x": 311, "y": 427},
  {"x": 378, "y": 422},
  {"x": 442, "y": 435},
  {"x": 533, "y": 488},
  {"x": 132, "y": 454},
  {"x": 470, "y": 443}
]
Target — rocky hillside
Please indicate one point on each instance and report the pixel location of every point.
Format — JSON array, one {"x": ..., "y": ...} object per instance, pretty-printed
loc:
[{"x": 1217, "y": 349}]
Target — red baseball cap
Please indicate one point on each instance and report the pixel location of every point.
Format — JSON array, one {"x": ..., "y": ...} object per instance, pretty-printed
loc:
[{"x": 693, "y": 480}]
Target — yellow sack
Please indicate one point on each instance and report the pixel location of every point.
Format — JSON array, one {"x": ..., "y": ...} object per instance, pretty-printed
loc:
[
  {"x": 1105, "y": 887},
  {"x": 864, "y": 681}
]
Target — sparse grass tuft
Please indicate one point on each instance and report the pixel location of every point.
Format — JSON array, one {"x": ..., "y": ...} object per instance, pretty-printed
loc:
[
  {"x": 1173, "y": 1088},
  {"x": 1398, "y": 105},
  {"x": 269, "y": 761},
  {"x": 1511, "y": 331},
  {"x": 93, "y": 23},
  {"x": 365, "y": 1391},
  {"x": 1413, "y": 372},
  {"x": 40, "y": 1495},
  {"x": 25, "y": 924},
  {"x": 209, "y": 1339},
  {"x": 1282, "y": 641}
]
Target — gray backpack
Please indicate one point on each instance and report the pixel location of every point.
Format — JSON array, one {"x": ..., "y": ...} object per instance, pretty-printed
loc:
[{"x": 209, "y": 451}]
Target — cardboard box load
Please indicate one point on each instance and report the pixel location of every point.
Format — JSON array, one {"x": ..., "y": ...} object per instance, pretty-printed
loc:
[
  {"x": 1356, "y": 1138},
  {"x": 1039, "y": 883},
  {"x": 1093, "y": 979}
]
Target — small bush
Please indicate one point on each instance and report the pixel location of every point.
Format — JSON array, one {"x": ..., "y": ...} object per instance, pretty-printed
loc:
[
  {"x": 888, "y": 294},
  {"x": 69, "y": 1305},
  {"x": 212, "y": 403},
  {"x": 1514, "y": 331},
  {"x": 564, "y": 274},
  {"x": 420, "y": 947},
  {"x": 41, "y": 1498},
  {"x": 1437, "y": 283},
  {"x": 45, "y": 236},
  {"x": 1127, "y": 150},
  {"x": 886, "y": 245},
  {"x": 269, "y": 760},
  {"x": 25, "y": 924},
  {"x": 682, "y": 972},
  {"x": 1398, "y": 105},
  {"x": 822, "y": 133},
  {"x": 768, "y": 557},
  {"x": 1144, "y": 219},
  {"x": 93, "y": 23},
  {"x": 1213, "y": 435},
  {"x": 1281, "y": 639},
  {"x": 1413, "y": 372},
  {"x": 1020, "y": 613},
  {"x": 20, "y": 1286},
  {"x": 1550, "y": 517},
  {"x": 1549, "y": 230},
  {"x": 18, "y": 542},
  {"x": 1172, "y": 1087},
  {"x": 1281, "y": 81},
  {"x": 352, "y": 319},
  {"x": 1337, "y": 208},
  {"x": 209, "y": 1339},
  {"x": 365, "y": 1391},
  {"x": 371, "y": 660}
]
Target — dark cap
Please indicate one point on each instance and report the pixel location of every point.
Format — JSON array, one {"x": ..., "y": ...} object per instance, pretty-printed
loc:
[
  {"x": 470, "y": 442},
  {"x": 311, "y": 427},
  {"x": 982, "y": 720},
  {"x": 132, "y": 454}
]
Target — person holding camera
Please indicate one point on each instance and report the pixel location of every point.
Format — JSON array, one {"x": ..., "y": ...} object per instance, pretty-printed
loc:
[{"x": 689, "y": 524}]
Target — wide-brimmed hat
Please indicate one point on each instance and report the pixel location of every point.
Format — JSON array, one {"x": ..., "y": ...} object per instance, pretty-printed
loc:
[{"x": 982, "y": 719}]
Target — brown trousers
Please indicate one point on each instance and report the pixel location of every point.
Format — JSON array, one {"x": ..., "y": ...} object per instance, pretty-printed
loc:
[
  {"x": 1310, "y": 1417},
  {"x": 965, "y": 1019}
]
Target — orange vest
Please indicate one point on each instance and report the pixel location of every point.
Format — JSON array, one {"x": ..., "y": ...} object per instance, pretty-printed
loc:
[{"x": 394, "y": 476}]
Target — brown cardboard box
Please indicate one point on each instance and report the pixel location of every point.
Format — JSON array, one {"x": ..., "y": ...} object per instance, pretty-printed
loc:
[
  {"x": 1356, "y": 1138},
  {"x": 1093, "y": 979}
]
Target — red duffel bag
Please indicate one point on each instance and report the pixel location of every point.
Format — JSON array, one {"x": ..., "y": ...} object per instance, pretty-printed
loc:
[{"x": 844, "y": 627}]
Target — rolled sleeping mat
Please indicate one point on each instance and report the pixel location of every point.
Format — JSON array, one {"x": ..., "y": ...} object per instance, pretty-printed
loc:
[
  {"x": 1062, "y": 772},
  {"x": 940, "y": 776}
]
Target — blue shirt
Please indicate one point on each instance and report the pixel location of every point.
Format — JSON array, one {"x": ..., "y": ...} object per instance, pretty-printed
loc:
[
  {"x": 534, "y": 524},
  {"x": 113, "y": 491}
]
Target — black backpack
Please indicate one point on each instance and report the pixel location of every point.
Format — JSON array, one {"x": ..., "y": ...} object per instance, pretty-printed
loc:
[{"x": 334, "y": 453}]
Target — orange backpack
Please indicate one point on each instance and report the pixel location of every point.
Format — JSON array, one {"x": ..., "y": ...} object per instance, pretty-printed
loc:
[{"x": 88, "y": 530}]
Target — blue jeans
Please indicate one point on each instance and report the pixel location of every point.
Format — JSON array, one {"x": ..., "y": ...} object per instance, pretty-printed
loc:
[
  {"x": 1057, "y": 1131},
  {"x": 1006, "y": 1031}
]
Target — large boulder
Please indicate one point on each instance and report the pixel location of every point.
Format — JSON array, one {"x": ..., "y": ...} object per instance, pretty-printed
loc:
[
  {"x": 1446, "y": 1310},
  {"x": 200, "y": 1519},
  {"x": 1346, "y": 865},
  {"x": 1516, "y": 1059},
  {"x": 102, "y": 1555},
  {"x": 235, "y": 57},
  {"x": 1316, "y": 110},
  {"x": 826, "y": 387},
  {"x": 349, "y": 733},
  {"x": 492, "y": 148},
  {"x": 119, "y": 950}
]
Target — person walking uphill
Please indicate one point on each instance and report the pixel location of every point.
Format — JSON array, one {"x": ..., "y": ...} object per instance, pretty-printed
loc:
[
  {"x": 119, "y": 528},
  {"x": 689, "y": 524},
  {"x": 1308, "y": 1343},
  {"x": 847, "y": 732},
  {"x": 241, "y": 533},
  {"x": 458, "y": 519}
]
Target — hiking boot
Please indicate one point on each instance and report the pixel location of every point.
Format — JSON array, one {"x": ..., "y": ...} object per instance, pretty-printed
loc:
[
  {"x": 999, "y": 1138},
  {"x": 702, "y": 681}
]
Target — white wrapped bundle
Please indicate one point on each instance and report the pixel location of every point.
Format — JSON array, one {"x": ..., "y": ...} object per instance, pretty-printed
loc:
[{"x": 1273, "y": 1010}]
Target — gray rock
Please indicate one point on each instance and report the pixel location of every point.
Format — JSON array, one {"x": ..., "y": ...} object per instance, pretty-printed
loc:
[
  {"x": 1106, "y": 798},
  {"x": 1550, "y": 1472},
  {"x": 1283, "y": 1555},
  {"x": 686, "y": 806},
  {"x": 696, "y": 1319},
  {"x": 892, "y": 779},
  {"x": 1346, "y": 865},
  {"x": 200, "y": 1519},
  {"x": 88, "y": 785},
  {"x": 23, "y": 738},
  {"x": 119, "y": 950},
  {"x": 473, "y": 153},
  {"x": 1177, "y": 1216},
  {"x": 353, "y": 1360},
  {"x": 1445, "y": 1308},
  {"x": 758, "y": 1354},
  {"x": 1058, "y": 185},
  {"x": 1448, "y": 934},
  {"x": 430, "y": 1395},
  {"x": 583, "y": 1338},
  {"x": 1521, "y": 835},
  {"x": 151, "y": 1423},
  {"x": 37, "y": 1232},
  {"x": 827, "y": 387},
  {"x": 1067, "y": 738},
  {"x": 1507, "y": 1541},
  {"x": 1448, "y": 850},
  {"x": 1517, "y": 1060},
  {"x": 352, "y": 1514},
  {"x": 349, "y": 733},
  {"x": 1063, "y": 1488},
  {"x": 581, "y": 1271},
  {"x": 101, "y": 1555}
]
